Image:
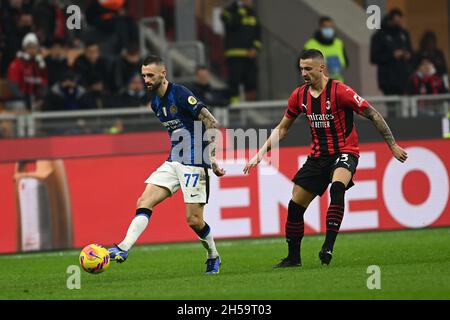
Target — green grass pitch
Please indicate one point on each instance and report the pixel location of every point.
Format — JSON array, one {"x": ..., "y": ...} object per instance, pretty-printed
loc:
[{"x": 414, "y": 264}]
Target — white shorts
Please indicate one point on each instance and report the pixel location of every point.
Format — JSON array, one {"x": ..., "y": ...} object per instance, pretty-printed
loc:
[{"x": 194, "y": 181}]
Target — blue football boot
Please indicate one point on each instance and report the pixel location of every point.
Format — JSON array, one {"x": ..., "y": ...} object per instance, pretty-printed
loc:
[
  {"x": 212, "y": 265},
  {"x": 117, "y": 254}
]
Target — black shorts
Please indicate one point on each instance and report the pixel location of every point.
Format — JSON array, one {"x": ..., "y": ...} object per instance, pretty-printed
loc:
[{"x": 316, "y": 174}]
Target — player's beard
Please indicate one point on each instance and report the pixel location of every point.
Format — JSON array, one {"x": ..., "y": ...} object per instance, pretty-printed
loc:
[{"x": 154, "y": 87}]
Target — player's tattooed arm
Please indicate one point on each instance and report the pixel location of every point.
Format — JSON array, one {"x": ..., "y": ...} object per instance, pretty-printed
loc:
[
  {"x": 379, "y": 123},
  {"x": 382, "y": 127},
  {"x": 212, "y": 126}
]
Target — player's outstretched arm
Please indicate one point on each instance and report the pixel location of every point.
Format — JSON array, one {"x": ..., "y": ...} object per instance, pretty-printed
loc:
[
  {"x": 276, "y": 136},
  {"x": 382, "y": 127},
  {"x": 212, "y": 126}
]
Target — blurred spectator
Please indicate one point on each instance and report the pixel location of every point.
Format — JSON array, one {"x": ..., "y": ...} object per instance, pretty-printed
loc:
[
  {"x": 90, "y": 65},
  {"x": 2, "y": 48},
  {"x": 97, "y": 97},
  {"x": 242, "y": 42},
  {"x": 56, "y": 61},
  {"x": 111, "y": 20},
  {"x": 134, "y": 93},
  {"x": 66, "y": 94},
  {"x": 391, "y": 51},
  {"x": 205, "y": 92},
  {"x": 16, "y": 21},
  {"x": 331, "y": 46},
  {"x": 49, "y": 20},
  {"x": 126, "y": 66},
  {"x": 426, "y": 80},
  {"x": 6, "y": 129},
  {"x": 216, "y": 99},
  {"x": 429, "y": 48},
  {"x": 168, "y": 14},
  {"x": 27, "y": 74}
]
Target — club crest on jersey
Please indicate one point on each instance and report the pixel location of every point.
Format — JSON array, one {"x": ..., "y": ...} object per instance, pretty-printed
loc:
[
  {"x": 173, "y": 109},
  {"x": 192, "y": 100}
]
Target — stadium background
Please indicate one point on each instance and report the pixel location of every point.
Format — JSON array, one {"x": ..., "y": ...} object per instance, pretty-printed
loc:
[{"x": 104, "y": 172}]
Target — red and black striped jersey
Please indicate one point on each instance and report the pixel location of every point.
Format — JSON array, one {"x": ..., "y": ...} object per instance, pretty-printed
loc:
[{"x": 330, "y": 117}]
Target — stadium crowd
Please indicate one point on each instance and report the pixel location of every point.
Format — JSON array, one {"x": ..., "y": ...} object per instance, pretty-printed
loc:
[{"x": 46, "y": 67}]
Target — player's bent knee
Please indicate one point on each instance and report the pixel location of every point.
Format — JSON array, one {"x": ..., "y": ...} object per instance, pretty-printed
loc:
[
  {"x": 145, "y": 202},
  {"x": 301, "y": 197},
  {"x": 194, "y": 221}
]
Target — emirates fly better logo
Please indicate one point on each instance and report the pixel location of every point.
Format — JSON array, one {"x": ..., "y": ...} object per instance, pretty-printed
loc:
[{"x": 320, "y": 120}]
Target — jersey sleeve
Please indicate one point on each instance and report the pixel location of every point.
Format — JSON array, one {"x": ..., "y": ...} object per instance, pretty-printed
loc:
[
  {"x": 293, "y": 110},
  {"x": 15, "y": 71},
  {"x": 348, "y": 98},
  {"x": 189, "y": 102}
]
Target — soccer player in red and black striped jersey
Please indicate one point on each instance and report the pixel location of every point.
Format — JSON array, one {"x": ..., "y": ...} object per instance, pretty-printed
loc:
[{"x": 328, "y": 106}]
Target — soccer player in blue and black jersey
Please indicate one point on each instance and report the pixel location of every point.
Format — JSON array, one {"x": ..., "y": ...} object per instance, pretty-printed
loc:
[{"x": 187, "y": 120}]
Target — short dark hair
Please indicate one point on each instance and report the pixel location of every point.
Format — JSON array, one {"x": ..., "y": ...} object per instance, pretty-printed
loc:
[
  {"x": 200, "y": 67},
  {"x": 311, "y": 54},
  {"x": 428, "y": 38},
  {"x": 323, "y": 19},
  {"x": 132, "y": 48},
  {"x": 153, "y": 59},
  {"x": 57, "y": 41},
  {"x": 395, "y": 12},
  {"x": 91, "y": 42}
]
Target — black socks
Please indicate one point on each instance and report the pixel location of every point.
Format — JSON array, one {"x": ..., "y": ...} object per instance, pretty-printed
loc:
[
  {"x": 294, "y": 230},
  {"x": 335, "y": 214}
]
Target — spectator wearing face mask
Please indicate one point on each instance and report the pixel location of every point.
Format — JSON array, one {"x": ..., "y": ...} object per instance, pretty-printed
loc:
[
  {"x": 331, "y": 46},
  {"x": 426, "y": 80},
  {"x": 66, "y": 94},
  {"x": 429, "y": 48}
]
